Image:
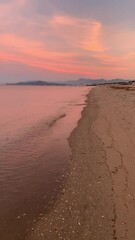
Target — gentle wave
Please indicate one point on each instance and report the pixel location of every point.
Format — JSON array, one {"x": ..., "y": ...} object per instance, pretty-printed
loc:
[
  {"x": 34, "y": 151},
  {"x": 54, "y": 121}
]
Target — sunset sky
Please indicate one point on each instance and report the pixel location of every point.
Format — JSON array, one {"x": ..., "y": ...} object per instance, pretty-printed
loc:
[{"x": 66, "y": 39}]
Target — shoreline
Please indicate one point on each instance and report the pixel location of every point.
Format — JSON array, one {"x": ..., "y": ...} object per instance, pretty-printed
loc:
[
  {"x": 97, "y": 201},
  {"x": 35, "y": 154},
  {"x": 70, "y": 217}
]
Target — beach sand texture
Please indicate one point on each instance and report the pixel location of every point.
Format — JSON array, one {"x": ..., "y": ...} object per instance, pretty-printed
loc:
[{"x": 98, "y": 200}]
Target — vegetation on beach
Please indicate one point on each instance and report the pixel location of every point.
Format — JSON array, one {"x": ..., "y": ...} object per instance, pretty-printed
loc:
[{"x": 123, "y": 87}]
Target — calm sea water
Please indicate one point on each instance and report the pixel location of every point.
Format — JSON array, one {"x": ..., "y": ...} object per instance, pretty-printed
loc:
[{"x": 35, "y": 123}]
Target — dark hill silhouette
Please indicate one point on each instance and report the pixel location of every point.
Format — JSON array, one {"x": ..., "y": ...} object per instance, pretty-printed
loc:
[{"x": 79, "y": 82}]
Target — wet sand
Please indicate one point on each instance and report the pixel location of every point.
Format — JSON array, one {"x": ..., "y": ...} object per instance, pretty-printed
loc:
[{"x": 98, "y": 199}]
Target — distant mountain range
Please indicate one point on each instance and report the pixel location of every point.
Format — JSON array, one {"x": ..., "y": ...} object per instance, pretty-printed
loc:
[
  {"x": 81, "y": 81},
  {"x": 35, "y": 83}
]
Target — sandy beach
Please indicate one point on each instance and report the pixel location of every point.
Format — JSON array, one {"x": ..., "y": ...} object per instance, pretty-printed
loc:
[{"x": 98, "y": 199}]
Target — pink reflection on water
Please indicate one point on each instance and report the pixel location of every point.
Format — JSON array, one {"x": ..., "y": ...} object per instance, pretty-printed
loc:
[
  {"x": 35, "y": 123},
  {"x": 23, "y": 107}
]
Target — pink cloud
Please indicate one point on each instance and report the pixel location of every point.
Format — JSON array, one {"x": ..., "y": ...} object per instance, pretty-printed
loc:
[
  {"x": 64, "y": 44},
  {"x": 84, "y": 34}
]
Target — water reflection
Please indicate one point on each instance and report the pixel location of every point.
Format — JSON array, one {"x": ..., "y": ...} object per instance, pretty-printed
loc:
[{"x": 34, "y": 125}]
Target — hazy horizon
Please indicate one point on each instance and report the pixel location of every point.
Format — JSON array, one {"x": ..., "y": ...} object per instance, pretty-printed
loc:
[{"x": 62, "y": 82}]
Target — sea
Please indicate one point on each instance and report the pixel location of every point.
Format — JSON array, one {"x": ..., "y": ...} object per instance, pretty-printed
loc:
[{"x": 35, "y": 124}]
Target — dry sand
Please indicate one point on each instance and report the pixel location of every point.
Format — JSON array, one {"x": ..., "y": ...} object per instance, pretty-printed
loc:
[{"x": 98, "y": 201}]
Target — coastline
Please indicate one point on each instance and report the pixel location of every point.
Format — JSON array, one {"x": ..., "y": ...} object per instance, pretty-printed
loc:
[
  {"x": 96, "y": 201},
  {"x": 34, "y": 153}
]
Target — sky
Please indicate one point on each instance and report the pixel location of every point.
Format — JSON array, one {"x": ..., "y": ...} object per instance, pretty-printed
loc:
[{"x": 58, "y": 40}]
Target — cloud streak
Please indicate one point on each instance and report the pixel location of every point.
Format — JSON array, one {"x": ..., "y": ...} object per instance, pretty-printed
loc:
[{"x": 64, "y": 42}]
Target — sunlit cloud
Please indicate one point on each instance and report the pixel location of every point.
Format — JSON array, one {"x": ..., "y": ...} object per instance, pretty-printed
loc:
[
  {"x": 57, "y": 41},
  {"x": 53, "y": 66},
  {"x": 82, "y": 33},
  {"x": 93, "y": 41}
]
